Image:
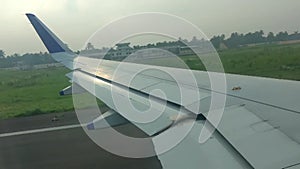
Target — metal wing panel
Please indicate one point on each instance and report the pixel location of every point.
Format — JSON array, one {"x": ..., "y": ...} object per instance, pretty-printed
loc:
[
  {"x": 147, "y": 78},
  {"x": 263, "y": 145},
  {"x": 215, "y": 153},
  {"x": 105, "y": 92},
  {"x": 261, "y": 122}
]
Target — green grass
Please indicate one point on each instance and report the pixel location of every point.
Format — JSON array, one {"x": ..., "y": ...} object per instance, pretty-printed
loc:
[
  {"x": 275, "y": 61},
  {"x": 24, "y": 93},
  {"x": 33, "y": 92}
]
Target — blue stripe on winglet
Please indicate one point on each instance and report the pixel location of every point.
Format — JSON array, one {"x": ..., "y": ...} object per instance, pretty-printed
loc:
[{"x": 52, "y": 43}]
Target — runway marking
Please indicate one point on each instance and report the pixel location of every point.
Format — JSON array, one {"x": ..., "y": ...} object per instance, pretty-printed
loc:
[{"x": 42, "y": 130}]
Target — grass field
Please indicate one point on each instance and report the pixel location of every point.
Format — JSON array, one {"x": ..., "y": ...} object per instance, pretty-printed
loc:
[
  {"x": 275, "y": 61},
  {"x": 31, "y": 92}
]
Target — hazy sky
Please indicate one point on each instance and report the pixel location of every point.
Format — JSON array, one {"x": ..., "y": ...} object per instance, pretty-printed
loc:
[{"x": 75, "y": 20}]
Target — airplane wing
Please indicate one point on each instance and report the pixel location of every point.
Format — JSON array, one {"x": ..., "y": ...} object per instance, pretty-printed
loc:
[{"x": 259, "y": 127}]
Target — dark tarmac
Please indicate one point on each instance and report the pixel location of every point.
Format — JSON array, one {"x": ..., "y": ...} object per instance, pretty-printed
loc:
[{"x": 60, "y": 149}]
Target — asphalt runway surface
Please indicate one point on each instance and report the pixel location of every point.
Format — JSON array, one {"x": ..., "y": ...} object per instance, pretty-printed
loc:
[{"x": 60, "y": 149}]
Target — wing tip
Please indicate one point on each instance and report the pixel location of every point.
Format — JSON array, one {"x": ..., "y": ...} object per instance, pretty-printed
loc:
[
  {"x": 50, "y": 40},
  {"x": 30, "y": 15}
]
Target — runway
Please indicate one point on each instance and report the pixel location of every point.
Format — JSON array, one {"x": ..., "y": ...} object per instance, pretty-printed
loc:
[{"x": 39, "y": 143}]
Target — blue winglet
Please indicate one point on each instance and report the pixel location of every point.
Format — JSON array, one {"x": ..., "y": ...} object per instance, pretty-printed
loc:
[{"x": 52, "y": 43}]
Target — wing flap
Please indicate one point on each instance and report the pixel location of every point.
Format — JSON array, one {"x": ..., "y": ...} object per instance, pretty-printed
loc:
[
  {"x": 189, "y": 153},
  {"x": 263, "y": 145}
]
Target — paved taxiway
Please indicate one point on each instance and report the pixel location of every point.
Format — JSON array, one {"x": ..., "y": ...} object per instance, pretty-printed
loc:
[{"x": 59, "y": 149}]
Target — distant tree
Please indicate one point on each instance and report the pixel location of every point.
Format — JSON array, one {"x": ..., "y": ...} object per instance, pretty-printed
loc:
[
  {"x": 271, "y": 37},
  {"x": 222, "y": 37},
  {"x": 194, "y": 40},
  {"x": 282, "y": 36},
  {"x": 136, "y": 47},
  {"x": 217, "y": 40},
  {"x": 251, "y": 38},
  {"x": 234, "y": 40},
  {"x": 185, "y": 41},
  {"x": 15, "y": 55},
  {"x": 259, "y": 35},
  {"x": 150, "y": 45},
  {"x": 181, "y": 42},
  {"x": 294, "y": 36},
  {"x": 2, "y": 54},
  {"x": 89, "y": 46}
]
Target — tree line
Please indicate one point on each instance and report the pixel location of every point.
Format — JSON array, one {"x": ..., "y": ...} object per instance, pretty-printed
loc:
[
  {"x": 233, "y": 41},
  {"x": 28, "y": 59},
  {"x": 236, "y": 40}
]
